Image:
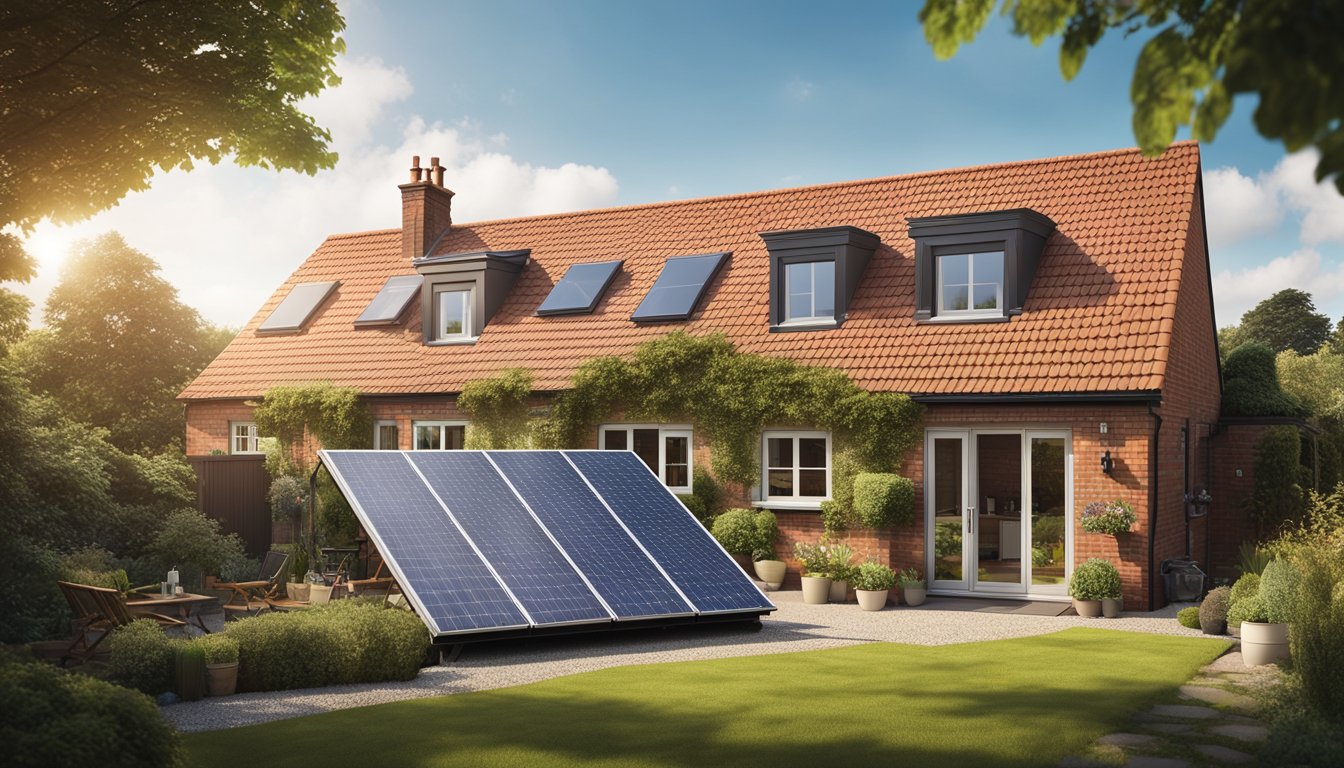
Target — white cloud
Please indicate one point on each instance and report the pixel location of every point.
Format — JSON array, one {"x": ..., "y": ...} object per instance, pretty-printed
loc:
[
  {"x": 226, "y": 236},
  {"x": 1304, "y": 269},
  {"x": 1321, "y": 205},
  {"x": 1238, "y": 207}
]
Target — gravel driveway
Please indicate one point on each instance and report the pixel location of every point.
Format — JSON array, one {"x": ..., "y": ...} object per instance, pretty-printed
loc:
[{"x": 794, "y": 627}]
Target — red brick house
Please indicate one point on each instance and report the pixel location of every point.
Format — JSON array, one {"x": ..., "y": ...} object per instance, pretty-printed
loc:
[{"x": 1053, "y": 316}]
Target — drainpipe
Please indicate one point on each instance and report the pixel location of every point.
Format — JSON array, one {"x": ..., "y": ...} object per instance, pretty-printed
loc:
[
  {"x": 1185, "y": 489},
  {"x": 1153, "y": 485}
]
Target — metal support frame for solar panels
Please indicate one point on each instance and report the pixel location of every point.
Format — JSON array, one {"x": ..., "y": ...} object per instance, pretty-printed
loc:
[{"x": 689, "y": 514}]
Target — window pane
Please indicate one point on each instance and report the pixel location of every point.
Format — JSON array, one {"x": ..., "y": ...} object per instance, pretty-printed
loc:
[
  {"x": 781, "y": 452},
  {"x": 676, "y": 476},
  {"x": 780, "y": 482},
  {"x": 646, "y": 447},
  {"x": 954, "y": 297},
  {"x": 452, "y": 311},
  {"x": 456, "y": 438},
  {"x": 986, "y": 296},
  {"x": 798, "y": 278},
  {"x": 812, "y": 452},
  {"x": 675, "y": 450},
  {"x": 387, "y": 437},
  {"x": 426, "y": 438},
  {"x": 811, "y": 482},
  {"x": 613, "y": 440},
  {"x": 799, "y": 305},
  {"x": 825, "y": 288},
  {"x": 989, "y": 267},
  {"x": 954, "y": 269},
  {"x": 676, "y": 461}
]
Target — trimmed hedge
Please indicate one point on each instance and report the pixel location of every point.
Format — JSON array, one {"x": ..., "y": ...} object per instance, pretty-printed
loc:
[
  {"x": 883, "y": 499},
  {"x": 60, "y": 718},
  {"x": 347, "y": 641},
  {"x": 747, "y": 532},
  {"x": 1188, "y": 617},
  {"x": 142, "y": 657}
]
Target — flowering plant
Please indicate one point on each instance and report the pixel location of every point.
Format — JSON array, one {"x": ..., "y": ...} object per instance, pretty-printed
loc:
[{"x": 1113, "y": 517}]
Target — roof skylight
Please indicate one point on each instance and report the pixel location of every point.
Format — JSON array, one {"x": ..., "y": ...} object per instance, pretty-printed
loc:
[
  {"x": 678, "y": 289},
  {"x": 580, "y": 289},
  {"x": 296, "y": 308},
  {"x": 392, "y": 300}
]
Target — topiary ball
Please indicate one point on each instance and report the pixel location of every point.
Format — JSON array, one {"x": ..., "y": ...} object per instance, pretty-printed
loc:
[
  {"x": 1213, "y": 611},
  {"x": 1188, "y": 617}
]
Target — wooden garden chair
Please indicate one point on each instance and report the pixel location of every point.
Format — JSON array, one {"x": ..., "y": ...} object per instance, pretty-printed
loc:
[
  {"x": 98, "y": 611},
  {"x": 374, "y": 587},
  {"x": 251, "y": 597}
]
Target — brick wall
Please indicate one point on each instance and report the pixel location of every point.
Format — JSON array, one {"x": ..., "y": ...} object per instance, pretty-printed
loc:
[{"x": 208, "y": 425}]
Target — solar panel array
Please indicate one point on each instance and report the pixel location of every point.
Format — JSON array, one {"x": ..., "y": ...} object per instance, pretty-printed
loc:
[
  {"x": 514, "y": 541},
  {"x": 295, "y": 309}
]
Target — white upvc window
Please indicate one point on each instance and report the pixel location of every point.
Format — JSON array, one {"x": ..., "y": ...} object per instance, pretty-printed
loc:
[
  {"x": 386, "y": 435},
  {"x": 665, "y": 448},
  {"x": 970, "y": 284},
  {"x": 796, "y": 466},
  {"x": 809, "y": 291},
  {"x": 439, "y": 435},
  {"x": 243, "y": 437},
  {"x": 453, "y": 313}
]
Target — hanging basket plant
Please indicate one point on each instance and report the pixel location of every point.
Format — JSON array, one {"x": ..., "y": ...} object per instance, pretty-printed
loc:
[{"x": 1109, "y": 517}]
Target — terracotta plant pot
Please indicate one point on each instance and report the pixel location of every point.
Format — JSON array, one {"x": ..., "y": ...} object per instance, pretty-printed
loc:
[
  {"x": 1088, "y": 609},
  {"x": 816, "y": 590},
  {"x": 221, "y": 679},
  {"x": 296, "y": 591},
  {"x": 839, "y": 591},
  {"x": 915, "y": 595},
  {"x": 771, "y": 572},
  {"x": 1112, "y": 606},
  {"x": 872, "y": 599},
  {"x": 1263, "y": 643}
]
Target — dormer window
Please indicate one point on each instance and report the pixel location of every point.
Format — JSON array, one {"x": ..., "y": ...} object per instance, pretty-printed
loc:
[
  {"x": 452, "y": 313},
  {"x": 462, "y": 291},
  {"x": 970, "y": 284},
  {"x": 813, "y": 275}
]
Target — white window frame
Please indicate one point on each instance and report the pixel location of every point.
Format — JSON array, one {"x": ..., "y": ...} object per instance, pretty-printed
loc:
[
  {"x": 971, "y": 311},
  {"x": 813, "y": 317},
  {"x": 802, "y": 502},
  {"x": 664, "y": 431},
  {"x": 378, "y": 434},
  {"x": 442, "y": 425},
  {"x": 251, "y": 438},
  {"x": 468, "y": 332}
]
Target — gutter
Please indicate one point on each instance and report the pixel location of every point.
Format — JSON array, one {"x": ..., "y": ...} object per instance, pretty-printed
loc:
[
  {"x": 1143, "y": 396},
  {"x": 1153, "y": 495}
]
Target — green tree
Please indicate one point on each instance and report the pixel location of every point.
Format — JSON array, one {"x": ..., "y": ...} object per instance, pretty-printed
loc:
[
  {"x": 119, "y": 346},
  {"x": 1202, "y": 54},
  {"x": 1337, "y": 338},
  {"x": 1286, "y": 320},
  {"x": 99, "y": 95}
]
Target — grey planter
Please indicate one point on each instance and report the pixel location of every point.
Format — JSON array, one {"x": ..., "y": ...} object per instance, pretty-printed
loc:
[{"x": 1088, "y": 609}]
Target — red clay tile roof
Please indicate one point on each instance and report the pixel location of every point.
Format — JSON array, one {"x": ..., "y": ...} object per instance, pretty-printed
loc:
[{"x": 1098, "y": 316}]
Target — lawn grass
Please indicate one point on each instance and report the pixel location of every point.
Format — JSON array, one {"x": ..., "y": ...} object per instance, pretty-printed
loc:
[{"x": 1023, "y": 702}]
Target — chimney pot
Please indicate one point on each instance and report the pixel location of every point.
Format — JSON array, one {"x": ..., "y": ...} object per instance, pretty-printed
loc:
[
  {"x": 415, "y": 168},
  {"x": 437, "y": 171}
]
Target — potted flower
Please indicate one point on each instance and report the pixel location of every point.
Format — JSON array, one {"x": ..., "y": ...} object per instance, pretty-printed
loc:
[
  {"x": 839, "y": 559},
  {"x": 221, "y": 663},
  {"x": 816, "y": 580},
  {"x": 912, "y": 587},
  {"x": 1213, "y": 611},
  {"x": 1092, "y": 582},
  {"x": 872, "y": 583},
  {"x": 1110, "y": 517},
  {"x": 1264, "y": 614},
  {"x": 749, "y": 534}
]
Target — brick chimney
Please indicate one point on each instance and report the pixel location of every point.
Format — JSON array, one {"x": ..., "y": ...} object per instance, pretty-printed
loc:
[{"x": 426, "y": 208}]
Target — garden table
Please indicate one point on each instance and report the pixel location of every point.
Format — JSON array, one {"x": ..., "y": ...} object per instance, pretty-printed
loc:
[{"x": 189, "y": 606}]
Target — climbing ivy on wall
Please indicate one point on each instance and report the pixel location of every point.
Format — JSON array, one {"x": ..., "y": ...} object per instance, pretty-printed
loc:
[{"x": 729, "y": 396}]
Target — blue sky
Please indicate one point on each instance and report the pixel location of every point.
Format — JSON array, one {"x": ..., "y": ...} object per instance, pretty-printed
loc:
[{"x": 549, "y": 106}]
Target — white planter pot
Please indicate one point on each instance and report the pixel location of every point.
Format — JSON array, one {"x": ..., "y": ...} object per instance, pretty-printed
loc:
[
  {"x": 816, "y": 590},
  {"x": 872, "y": 599},
  {"x": 915, "y": 595},
  {"x": 1088, "y": 609},
  {"x": 319, "y": 594},
  {"x": 1263, "y": 643},
  {"x": 1112, "y": 606},
  {"x": 839, "y": 590},
  {"x": 771, "y": 572}
]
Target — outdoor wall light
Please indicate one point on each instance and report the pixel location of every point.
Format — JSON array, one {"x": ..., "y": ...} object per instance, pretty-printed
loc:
[{"x": 1107, "y": 463}]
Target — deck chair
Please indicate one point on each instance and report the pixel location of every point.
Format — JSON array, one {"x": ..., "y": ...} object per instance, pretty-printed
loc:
[
  {"x": 378, "y": 586},
  {"x": 97, "y": 611},
  {"x": 249, "y": 597}
]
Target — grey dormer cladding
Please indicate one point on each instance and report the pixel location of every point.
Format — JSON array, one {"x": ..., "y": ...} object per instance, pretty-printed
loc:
[
  {"x": 849, "y": 247},
  {"x": 490, "y": 275},
  {"x": 1020, "y": 233}
]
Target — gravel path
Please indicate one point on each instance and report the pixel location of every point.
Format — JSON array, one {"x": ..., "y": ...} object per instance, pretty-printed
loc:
[{"x": 794, "y": 627}]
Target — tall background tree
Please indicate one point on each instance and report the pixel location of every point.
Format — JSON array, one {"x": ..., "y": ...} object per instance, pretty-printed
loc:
[
  {"x": 1286, "y": 320},
  {"x": 1202, "y": 54}
]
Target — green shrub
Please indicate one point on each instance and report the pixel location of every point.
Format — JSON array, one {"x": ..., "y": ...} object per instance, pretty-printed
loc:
[
  {"x": 835, "y": 516},
  {"x": 288, "y": 497},
  {"x": 194, "y": 543},
  {"x": 57, "y": 718},
  {"x": 1213, "y": 609},
  {"x": 1188, "y": 617},
  {"x": 1095, "y": 579},
  {"x": 1251, "y": 384},
  {"x": 1246, "y": 586},
  {"x": 1251, "y": 558},
  {"x": 705, "y": 488},
  {"x": 31, "y": 606},
  {"x": 696, "y": 505},
  {"x": 813, "y": 558},
  {"x": 348, "y": 641},
  {"x": 1279, "y": 477},
  {"x": 142, "y": 657},
  {"x": 873, "y": 577},
  {"x": 218, "y": 648},
  {"x": 839, "y": 562},
  {"x": 1317, "y": 637},
  {"x": 910, "y": 578},
  {"x": 747, "y": 532},
  {"x": 1301, "y": 735},
  {"x": 883, "y": 499},
  {"x": 1278, "y": 586},
  {"x": 1251, "y": 608}
]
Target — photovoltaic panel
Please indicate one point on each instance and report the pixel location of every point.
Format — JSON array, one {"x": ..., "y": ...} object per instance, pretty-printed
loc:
[
  {"x": 295, "y": 309},
  {"x": 549, "y": 588},
  {"x": 391, "y": 301},
  {"x": 580, "y": 289},
  {"x": 621, "y": 571},
  {"x": 679, "y": 286},
  {"x": 680, "y": 544},
  {"x": 453, "y": 590}
]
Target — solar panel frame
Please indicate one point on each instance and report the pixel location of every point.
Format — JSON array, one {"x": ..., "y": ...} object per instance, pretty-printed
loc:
[
  {"x": 686, "y": 292},
  {"x": 596, "y": 285},
  {"x": 391, "y": 314},
  {"x": 303, "y": 300}
]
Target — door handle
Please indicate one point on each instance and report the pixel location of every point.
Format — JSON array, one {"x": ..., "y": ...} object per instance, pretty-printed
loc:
[{"x": 970, "y": 525}]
